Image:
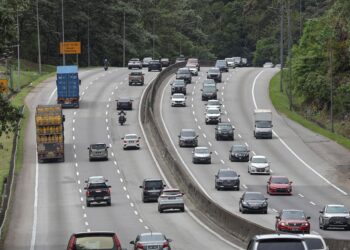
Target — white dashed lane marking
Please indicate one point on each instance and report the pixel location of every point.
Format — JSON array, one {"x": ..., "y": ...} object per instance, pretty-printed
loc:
[
  {"x": 302, "y": 196},
  {"x": 243, "y": 185},
  {"x": 222, "y": 161},
  {"x": 216, "y": 152}
]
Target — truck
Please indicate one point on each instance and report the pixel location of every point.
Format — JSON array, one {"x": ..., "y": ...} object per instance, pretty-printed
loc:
[
  {"x": 263, "y": 123},
  {"x": 49, "y": 121},
  {"x": 68, "y": 86}
]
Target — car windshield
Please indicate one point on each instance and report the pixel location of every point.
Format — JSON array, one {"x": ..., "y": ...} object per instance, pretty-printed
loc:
[
  {"x": 151, "y": 237},
  {"x": 278, "y": 244},
  {"x": 254, "y": 196},
  {"x": 336, "y": 209},
  {"x": 178, "y": 83},
  {"x": 213, "y": 111},
  {"x": 98, "y": 146},
  {"x": 263, "y": 124},
  {"x": 236, "y": 59},
  {"x": 314, "y": 243},
  {"x": 214, "y": 71},
  {"x": 136, "y": 73},
  {"x": 134, "y": 59},
  {"x": 239, "y": 148},
  {"x": 229, "y": 60},
  {"x": 179, "y": 96},
  {"x": 153, "y": 184},
  {"x": 293, "y": 215},
  {"x": 259, "y": 160},
  {"x": 192, "y": 60},
  {"x": 220, "y": 63},
  {"x": 188, "y": 133},
  {"x": 95, "y": 242},
  {"x": 202, "y": 150},
  {"x": 134, "y": 137},
  {"x": 279, "y": 180},
  {"x": 183, "y": 71},
  {"x": 124, "y": 100},
  {"x": 147, "y": 59},
  {"x": 227, "y": 173},
  {"x": 209, "y": 88}
]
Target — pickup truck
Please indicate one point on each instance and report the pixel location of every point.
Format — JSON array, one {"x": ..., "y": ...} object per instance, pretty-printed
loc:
[
  {"x": 97, "y": 191},
  {"x": 136, "y": 77}
]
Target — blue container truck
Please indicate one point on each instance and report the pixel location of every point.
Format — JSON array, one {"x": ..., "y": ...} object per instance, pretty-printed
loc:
[{"x": 68, "y": 86}]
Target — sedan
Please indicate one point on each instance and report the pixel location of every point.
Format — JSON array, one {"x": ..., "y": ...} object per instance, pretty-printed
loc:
[
  {"x": 279, "y": 185},
  {"x": 227, "y": 179},
  {"x": 131, "y": 141},
  {"x": 258, "y": 165},
  {"x": 171, "y": 198},
  {"x": 201, "y": 155},
  {"x": 253, "y": 202},
  {"x": 178, "y": 99},
  {"x": 151, "y": 240},
  {"x": 239, "y": 152},
  {"x": 292, "y": 221},
  {"x": 334, "y": 216}
]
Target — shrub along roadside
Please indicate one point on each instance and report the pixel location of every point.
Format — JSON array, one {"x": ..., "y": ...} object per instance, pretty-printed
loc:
[{"x": 281, "y": 103}]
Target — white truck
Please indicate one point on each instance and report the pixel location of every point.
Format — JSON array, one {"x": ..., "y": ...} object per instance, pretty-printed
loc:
[{"x": 263, "y": 123}]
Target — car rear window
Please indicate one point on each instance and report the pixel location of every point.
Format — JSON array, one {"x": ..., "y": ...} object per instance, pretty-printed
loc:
[
  {"x": 152, "y": 237},
  {"x": 254, "y": 196},
  {"x": 183, "y": 71},
  {"x": 278, "y": 244},
  {"x": 96, "y": 242},
  {"x": 314, "y": 243},
  {"x": 279, "y": 180},
  {"x": 97, "y": 185},
  {"x": 214, "y": 71},
  {"x": 98, "y": 146},
  {"x": 154, "y": 184},
  {"x": 136, "y": 73}
]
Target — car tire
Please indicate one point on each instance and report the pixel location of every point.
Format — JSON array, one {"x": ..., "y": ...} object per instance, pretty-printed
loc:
[
  {"x": 182, "y": 209},
  {"x": 265, "y": 211},
  {"x": 160, "y": 210},
  {"x": 243, "y": 211},
  {"x": 130, "y": 84},
  {"x": 237, "y": 189},
  {"x": 209, "y": 162},
  {"x": 88, "y": 204},
  {"x": 109, "y": 203}
]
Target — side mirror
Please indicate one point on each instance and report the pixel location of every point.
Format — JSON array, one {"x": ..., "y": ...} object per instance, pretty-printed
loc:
[
  {"x": 140, "y": 186},
  {"x": 278, "y": 217},
  {"x": 308, "y": 217},
  {"x": 271, "y": 125},
  {"x": 109, "y": 186},
  {"x": 107, "y": 147},
  {"x": 216, "y": 176},
  {"x": 239, "y": 175},
  {"x": 88, "y": 148},
  {"x": 164, "y": 185},
  {"x": 197, "y": 136},
  {"x": 86, "y": 181},
  {"x": 266, "y": 199},
  {"x": 290, "y": 182},
  {"x": 211, "y": 152},
  {"x": 132, "y": 242},
  {"x": 139, "y": 137},
  {"x": 122, "y": 138},
  {"x": 183, "y": 193},
  {"x": 85, "y": 188},
  {"x": 321, "y": 212},
  {"x": 201, "y": 89},
  {"x": 179, "y": 136}
]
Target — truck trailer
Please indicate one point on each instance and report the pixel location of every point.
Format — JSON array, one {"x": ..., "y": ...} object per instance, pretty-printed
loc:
[
  {"x": 263, "y": 123},
  {"x": 68, "y": 86},
  {"x": 49, "y": 133}
]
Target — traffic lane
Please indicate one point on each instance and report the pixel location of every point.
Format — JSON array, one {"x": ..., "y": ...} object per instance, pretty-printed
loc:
[{"x": 22, "y": 211}]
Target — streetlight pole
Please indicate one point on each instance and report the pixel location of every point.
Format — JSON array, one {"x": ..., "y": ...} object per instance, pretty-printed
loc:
[
  {"x": 153, "y": 39},
  {"x": 64, "y": 56},
  {"x": 18, "y": 61},
  {"x": 281, "y": 44},
  {"x": 88, "y": 35},
  {"x": 290, "y": 60},
  {"x": 38, "y": 31},
  {"x": 124, "y": 38}
]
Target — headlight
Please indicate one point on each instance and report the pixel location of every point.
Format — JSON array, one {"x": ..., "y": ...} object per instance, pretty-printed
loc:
[
  {"x": 305, "y": 224},
  {"x": 244, "y": 203},
  {"x": 283, "y": 224}
]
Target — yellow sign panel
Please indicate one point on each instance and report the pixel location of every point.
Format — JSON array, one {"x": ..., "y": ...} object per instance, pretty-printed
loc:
[
  {"x": 3, "y": 85},
  {"x": 70, "y": 48}
]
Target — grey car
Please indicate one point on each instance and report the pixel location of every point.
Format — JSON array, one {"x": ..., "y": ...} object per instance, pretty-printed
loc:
[
  {"x": 214, "y": 73},
  {"x": 209, "y": 92},
  {"x": 188, "y": 137},
  {"x": 334, "y": 216},
  {"x": 185, "y": 74},
  {"x": 224, "y": 131},
  {"x": 151, "y": 189},
  {"x": 151, "y": 240},
  {"x": 201, "y": 155},
  {"x": 98, "y": 151},
  {"x": 227, "y": 178}
]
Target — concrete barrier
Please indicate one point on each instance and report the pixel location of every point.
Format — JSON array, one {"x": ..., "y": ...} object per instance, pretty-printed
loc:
[{"x": 165, "y": 154}]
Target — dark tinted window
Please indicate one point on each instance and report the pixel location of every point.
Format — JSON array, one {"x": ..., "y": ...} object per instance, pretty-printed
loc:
[
  {"x": 98, "y": 146},
  {"x": 214, "y": 71},
  {"x": 293, "y": 215},
  {"x": 154, "y": 184},
  {"x": 95, "y": 242},
  {"x": 183, "y": 71},
  {"x": 209, "y": 88},
  {"x": 313, "y": 243},
  {"x": 239, "y": 148},
  {"x": 254, "y": 196},
  {"x": 188, "y": 133},
  {"x": 280, "y": 244},
  {"x": 98, "y": 185},
  {"x": 225, "y": 126},
  {"x": 280, "y": 180},
  {"x": 227, "y": 174}
]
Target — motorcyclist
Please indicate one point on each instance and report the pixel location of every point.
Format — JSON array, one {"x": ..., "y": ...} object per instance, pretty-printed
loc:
[
  {"x": 122, "y": 118},
  {"x": 105, "y": 64}
]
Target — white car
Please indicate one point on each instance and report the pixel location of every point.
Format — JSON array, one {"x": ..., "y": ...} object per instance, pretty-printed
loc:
[
  {"x": 268, "y": 65},
  {"x": 131, "y": 141},
  {"x": 230, "y": 62},
  {"x": 216, "y": 104},
  {"x": 171, "y": 198},
  {"x": 193, "y": 69},
  {"x": 201, "y": 155},
  {"x": 258, "y": 164},
  {"x": 212, "y": 115},
  {"x": 178, "y": 99}
]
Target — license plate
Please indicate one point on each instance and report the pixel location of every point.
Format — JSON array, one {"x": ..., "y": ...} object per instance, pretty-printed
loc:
[
  {"x": 131, "y": 141},
  {"x": 295, "y": 229}
]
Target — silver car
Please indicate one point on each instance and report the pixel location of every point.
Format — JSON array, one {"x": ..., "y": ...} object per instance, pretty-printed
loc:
[
  {"x": 258, "y": 164},
  {"x": 334, "y": 216},
  {"x": 171, "y": 198},
  {"x": 131, "y": 141},
  {"x": 201, "y": 155},
  {"x": 151, "y": 240},
  {"x": 98, "y": 151},
  {"x": 314, "y": 242},
  {"x": 213, "y": 104},
  {"x": 178, "y": 99}
]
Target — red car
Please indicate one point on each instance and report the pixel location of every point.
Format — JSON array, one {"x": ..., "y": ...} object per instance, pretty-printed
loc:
[
  {"x": 94, "y": 240},
  {"x": 195, "y": 62},
  {"x": 292, "y": 221},
  {"x": 279, "y": 185}
]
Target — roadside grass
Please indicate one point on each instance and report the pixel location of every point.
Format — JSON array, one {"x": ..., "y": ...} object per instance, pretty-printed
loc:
[{"x": 281, "y": 103}]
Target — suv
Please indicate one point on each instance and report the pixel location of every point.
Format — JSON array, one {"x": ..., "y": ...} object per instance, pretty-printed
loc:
[
  {"x": 185, "y": 74},
  {"x": 136, "y": 77},
  {"x": 154, "y": 65},
  {"x": 224, "y": 130},
  {"x": 212, "y": 115},
  {"x": 97, "y": 190},
  {"x": 227, "y": 179},
  {"x": 178, "y": 86},
  {"x": 239, "y": 153},
  {"x": 134, "y": 63},
  {"x": 277, "y": 242},
  {"x": 188, "y": 137},
  {"x": 214, "y": 73},
  {"x": 98, "y": 151},
  {"x": 171, "y": 198},
  {"x": 151, "y": 189},
  {"x": 209, "y": 92},
  {"x": 89, "y": 240},
  {"x": 222, "y": 65},
  {"x": 334, "y": 215}
]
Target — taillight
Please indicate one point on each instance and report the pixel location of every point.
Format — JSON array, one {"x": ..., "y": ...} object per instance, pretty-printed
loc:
[
  {"x": 71, "y": 243},
  {"x": 109, "y": 191},
  {"x": 125, "y": 141},
  {"x": 139, "y": 246},
  {"x": 117, "y": 242},
  {"x": 165, "y": 244},
  {"x": 87, "y": 193}
]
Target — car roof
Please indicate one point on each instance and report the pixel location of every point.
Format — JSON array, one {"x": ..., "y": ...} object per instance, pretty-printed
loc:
[
  {"x": 278, "y": 176},
  {"x": 130, "y": 135},
  {"x": 98, "y": 144},
  {"x": 183, "y": 69},
  {"x": 335, "y": 205},
  {"x": 171, "y": 190},
  {"x": 201, "y": 148},
  {"x": 214, "y": 68},
  {"x": 124, "y": 99},
  {"x": 291, "y": 210},
  {"x": 87, "y": 234},
  {"x": 96, "y": 179},
  {"x": 224, "y": 124},
  {"x": 252, "y": 192},
  {"x": 227, "y": 170},
  {"x": 259, "y": 156},
  {"x": 279, "y": 236},
  {"x": 187, "y": 130},
  {"x": 152, "y": 179}
]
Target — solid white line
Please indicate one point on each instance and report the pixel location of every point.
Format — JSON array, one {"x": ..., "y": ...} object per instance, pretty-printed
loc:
[
  {"x": 50, "y": 97},
  {"x": 35, "y": 216},
  {"x": 290, "y": 150}
]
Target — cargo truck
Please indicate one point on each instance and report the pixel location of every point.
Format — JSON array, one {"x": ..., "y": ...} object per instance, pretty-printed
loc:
[
  {"x": 49, "y": 132},
  {"x": 263, "y": 123},
  {"x": 68, "y": 86}
]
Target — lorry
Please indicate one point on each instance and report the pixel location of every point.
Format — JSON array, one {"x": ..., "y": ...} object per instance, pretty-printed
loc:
[
  {"x": 49, "y": 121},
  {"x": 263, "y": 123},
  {"x": 68, "y": 86}
]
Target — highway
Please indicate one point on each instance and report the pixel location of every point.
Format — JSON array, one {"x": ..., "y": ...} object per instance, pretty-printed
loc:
[
  {"x": 309, "y": 160},
  {"x": 49, "y": 202}
]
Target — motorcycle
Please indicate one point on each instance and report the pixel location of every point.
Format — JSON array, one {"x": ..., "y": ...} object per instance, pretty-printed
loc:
[
  {"x": 105, "y": 67},
  {"x": 122, "y": 119}
]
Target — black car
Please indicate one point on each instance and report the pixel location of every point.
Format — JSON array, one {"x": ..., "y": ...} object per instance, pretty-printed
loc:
[
  {"x": 185, "y": 74},
  {"x": 215, "y": 74},
  {"x": 165, "y": 62},
  {"x": 227, "y": 178},
  {"x": 209, "y": 92},
  {"x": 124, "y": 104},
  {"x": 178, "y": 86},
  {"x": 222, "y": 65},
  {"x": 224, "y": 130},
  {"x": 239, "y": 153},
  {"x": 188, "y": 137},
  {"x": 154, "y": 65},
  {"x": 151, "y": 189},
  {"x": 97, "y": 191},
  {"x": 253, "y": 202}
]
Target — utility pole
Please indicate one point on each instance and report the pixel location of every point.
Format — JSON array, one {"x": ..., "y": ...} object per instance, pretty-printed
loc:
[
  {"x": 18, "y": 59},
  {"x": 290, "y": 94},
  {"x": 64, "y": 56},
  {"x": 124, "y": 39},
  {"x": 38, "y": 31},
  {"x": 153, "y": 39},
  {"x": 331, "y": 80},
  {"x": 88, "y": 35},
  {"x": 282, "y": 45}
]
